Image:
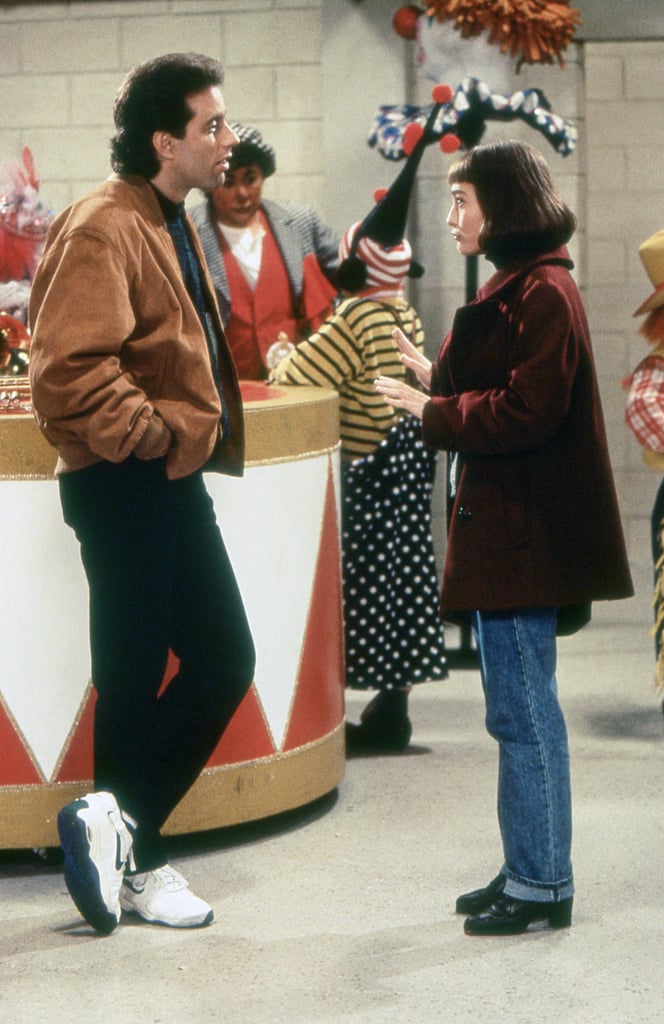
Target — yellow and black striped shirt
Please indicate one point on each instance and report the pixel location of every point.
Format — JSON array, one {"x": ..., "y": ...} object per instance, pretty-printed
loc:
[{"x": 348, "y": 352}]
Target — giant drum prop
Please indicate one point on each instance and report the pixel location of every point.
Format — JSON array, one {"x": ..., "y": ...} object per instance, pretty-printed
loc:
[{"x": 285, "y": 745}]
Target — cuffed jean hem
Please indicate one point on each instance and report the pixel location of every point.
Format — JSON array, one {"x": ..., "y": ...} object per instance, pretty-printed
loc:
[
  {"x": 537, "y": 892},
  {"x": 518, "y": 661}
]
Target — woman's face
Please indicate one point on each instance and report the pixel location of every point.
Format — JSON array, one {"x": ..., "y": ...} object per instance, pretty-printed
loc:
[
  {"x": 237, "y": 201},
  {"x": 465, "y": 218}
]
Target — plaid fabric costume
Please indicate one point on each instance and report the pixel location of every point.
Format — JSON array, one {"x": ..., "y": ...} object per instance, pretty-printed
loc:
[{"x": 644, "y": 413}]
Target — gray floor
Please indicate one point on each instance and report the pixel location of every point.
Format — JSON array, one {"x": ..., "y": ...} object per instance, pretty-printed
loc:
[{"x": 343, "y": 912}]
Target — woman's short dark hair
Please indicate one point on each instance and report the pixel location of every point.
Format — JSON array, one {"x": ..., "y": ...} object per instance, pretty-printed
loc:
[
  {"x": 524, "y": 213},
  {"x": 153, "y": 98}
]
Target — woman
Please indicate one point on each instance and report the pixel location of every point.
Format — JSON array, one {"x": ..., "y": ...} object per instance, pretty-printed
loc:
[
  {"x": 534, "y": 534},
  {"x": 393, "y": 636},
  {"x": 272, "y": 264}
]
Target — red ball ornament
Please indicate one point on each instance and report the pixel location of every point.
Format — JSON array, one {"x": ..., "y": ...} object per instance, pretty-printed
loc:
[
  {"x": 441, "y": 93},
  {"x": 379, "y": 194},
  {"x": 404, "y": 21},
  {"x": 450, "y": 143},
  {"x": 411, "y": 137},
  {"x": 14, "y": 331}
]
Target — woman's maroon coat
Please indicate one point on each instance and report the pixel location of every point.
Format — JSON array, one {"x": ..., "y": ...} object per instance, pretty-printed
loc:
[{"x": 535, "y": 519}]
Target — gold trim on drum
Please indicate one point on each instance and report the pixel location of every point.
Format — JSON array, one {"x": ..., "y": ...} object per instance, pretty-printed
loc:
[
  {"x": 222, "y": 796},
  {"x": 297, "y": 423},
  {"x": 232, "y": 794},
  {"x": 25, "y": 454}
]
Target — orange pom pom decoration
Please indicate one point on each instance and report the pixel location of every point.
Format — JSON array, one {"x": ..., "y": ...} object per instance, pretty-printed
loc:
[
  {"x": 530, "y": 31},
  {"x": 449, "y": 144},
  {"x": 442, "y": 93},
  {"x": 379, "y": 194}
]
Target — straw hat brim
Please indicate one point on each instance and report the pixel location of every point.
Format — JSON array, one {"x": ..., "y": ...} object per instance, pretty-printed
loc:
[{"x": 654, "y": 301}]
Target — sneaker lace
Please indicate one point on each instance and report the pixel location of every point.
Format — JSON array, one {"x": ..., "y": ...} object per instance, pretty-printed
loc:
[{"x": 170, "y": 879}]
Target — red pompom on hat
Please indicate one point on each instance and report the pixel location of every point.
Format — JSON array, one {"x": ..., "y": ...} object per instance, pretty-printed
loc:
[
  {"x": 412, "y": 136},
  {"x": 442, "y": 94},
  {"x": 450, "y": 144}
]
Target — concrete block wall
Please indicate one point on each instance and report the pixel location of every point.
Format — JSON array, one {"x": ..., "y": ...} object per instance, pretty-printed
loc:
[
  {"x": 310, "y": 74},
  {"x": 624, "y": 204},
  {"x": 63, "y": 62}
]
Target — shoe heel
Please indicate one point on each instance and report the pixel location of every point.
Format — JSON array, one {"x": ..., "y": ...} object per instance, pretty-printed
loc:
[{"x": 560, "y": 914}]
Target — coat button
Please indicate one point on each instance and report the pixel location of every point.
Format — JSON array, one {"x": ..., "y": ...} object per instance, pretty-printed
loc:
[{"x": 464, "y": 513}]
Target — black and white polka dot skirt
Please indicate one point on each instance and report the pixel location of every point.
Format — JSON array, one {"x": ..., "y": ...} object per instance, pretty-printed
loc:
[{"x": 393, "y": 634}]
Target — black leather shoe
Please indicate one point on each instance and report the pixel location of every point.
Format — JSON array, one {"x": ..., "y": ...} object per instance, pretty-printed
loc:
[
  {"x": 479, "y": 899},
  {"x": 509, "y": 916}
]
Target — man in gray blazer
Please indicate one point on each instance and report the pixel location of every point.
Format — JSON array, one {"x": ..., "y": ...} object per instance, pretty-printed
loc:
[{"x": 272, "y": 264}]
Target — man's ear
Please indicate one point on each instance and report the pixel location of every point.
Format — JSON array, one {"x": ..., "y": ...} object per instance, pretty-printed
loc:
[{"x": 163, "y": 145}]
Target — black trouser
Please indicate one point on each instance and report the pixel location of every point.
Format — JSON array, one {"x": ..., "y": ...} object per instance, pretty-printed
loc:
[{"x": 159, "y": 580}]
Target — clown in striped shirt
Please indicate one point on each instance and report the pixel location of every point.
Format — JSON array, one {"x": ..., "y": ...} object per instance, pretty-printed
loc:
[
  {"x": 393, "y": 635},
  {"x": 354, "y": 346}
]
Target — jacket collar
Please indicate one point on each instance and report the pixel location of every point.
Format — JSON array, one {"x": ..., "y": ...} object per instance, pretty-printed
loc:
[
  {"x": 502, "y": 279},
  {"x": 171, "y": 211}
]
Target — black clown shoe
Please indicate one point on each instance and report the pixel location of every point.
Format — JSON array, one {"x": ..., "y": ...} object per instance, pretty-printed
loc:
[
  {"x": 384, "y": 724},
  {"x": 510, "y": 916},
  {"x": 378, "y": 735}
]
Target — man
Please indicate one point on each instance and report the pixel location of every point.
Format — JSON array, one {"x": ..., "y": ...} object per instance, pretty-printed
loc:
[
  {"x": 133, "y": 383},
  {"x": 272, "y": 263}
]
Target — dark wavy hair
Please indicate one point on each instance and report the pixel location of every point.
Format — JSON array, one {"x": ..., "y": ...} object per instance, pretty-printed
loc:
[
  {"x": 524, "y": 213},
  {"x": 153, "y": 98}
]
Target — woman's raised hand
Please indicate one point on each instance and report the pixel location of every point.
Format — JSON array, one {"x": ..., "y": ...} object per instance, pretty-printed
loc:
[
  {"x": 412, "y": 358},
  {"x": 400, "y": 395}
]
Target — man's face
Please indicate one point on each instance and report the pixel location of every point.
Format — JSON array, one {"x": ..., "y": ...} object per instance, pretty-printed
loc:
[
  {"x": 237, "y": 201},
  {"x": 200, "y": 159}
]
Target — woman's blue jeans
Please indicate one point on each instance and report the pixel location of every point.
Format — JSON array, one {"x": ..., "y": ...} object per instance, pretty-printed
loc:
[{"x": 518, "y": 663}]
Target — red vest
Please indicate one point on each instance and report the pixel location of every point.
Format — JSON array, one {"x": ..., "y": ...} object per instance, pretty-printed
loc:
[{"x": 258, "y": 316}]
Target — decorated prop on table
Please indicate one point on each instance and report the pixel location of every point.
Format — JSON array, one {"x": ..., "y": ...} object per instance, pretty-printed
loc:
[
  {"x": 278, "y": 351},
  {"x": 14, "y": 358},
  {"x": 14, "y": 345},
  {"x": 24, "y": 220},
  {"x": 384, "y": 227},
  {"x": 529, "y": 31},
  {"x": 456, "y": 41}
]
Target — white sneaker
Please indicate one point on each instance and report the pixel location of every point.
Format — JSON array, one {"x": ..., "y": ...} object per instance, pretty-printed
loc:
[
  {"x": 96, "y": 843},
  {"x": 163, "y": 897}
]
